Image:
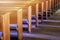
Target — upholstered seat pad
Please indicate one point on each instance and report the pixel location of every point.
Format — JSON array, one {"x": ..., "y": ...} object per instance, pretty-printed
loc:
[
  {"x": 0, "y": 34},
  {"x": 12, "y": 26},
  {"x": 25, "y": 25},
  {"x": 13, "y": 33},
  {"x": 33, "y": 20}
]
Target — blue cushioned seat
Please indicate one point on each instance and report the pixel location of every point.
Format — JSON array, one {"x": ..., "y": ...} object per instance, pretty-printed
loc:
[
  {"x": 0, "y": 34},
  {"x": 26, "y": 26},
  {"x": 33, "y": 20},
  {"x": 13, "y": 33},
  {"x": 12, "y": 26},
  {"x": 33, "y": 17},
  {"x": 25, "y": 20}
]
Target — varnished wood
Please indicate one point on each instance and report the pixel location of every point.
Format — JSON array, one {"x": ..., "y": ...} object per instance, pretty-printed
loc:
[
  {"x": 37, "y": 14},
  {"x": 42, "y": 11},
  {"x": 15, "y": 1},
  {"x": 19, "y": 23},
  {"x": 50, "y": 7},
  {"x": 29, "y": 18},
  {"x": 53, "y": 5},
  {"x": 46, "y": 9},
  {"x": 1, "y": 38},
  {"x": 6, "y": 26}
]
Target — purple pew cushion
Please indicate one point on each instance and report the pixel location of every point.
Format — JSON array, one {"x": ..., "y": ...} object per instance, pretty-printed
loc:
[
  {"x": 13, "y": 33},
  {"x": 25, "y": 20},
  {"x": 13, "y": 26},
  {"x": 0, "y": 34},
  {"x": 26, "y": 26}
]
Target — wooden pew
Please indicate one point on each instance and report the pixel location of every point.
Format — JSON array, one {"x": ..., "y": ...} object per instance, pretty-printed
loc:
[
  {"x": 42, "y": 11},
  {"x": 19, "y": 23},
  {"x": 36, "y": 7},
  {"x": 46, "y": 4},
  {"x": 31, "y": 12},
  {"x": 46, "y": 9},
  {"x": 50, "y": 6},
  {"x": 37, "y": 10},
  {"x": 39, "y": 7},
  {"x": 6, "y": 26},
  {"x": 17, "y": 18},
  {"x": 29, "y": 19}
]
